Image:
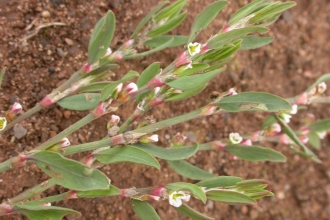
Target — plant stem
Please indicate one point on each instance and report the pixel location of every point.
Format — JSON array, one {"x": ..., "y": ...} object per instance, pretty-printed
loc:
[
  {"x": 33, "y": 191},
  {"x": 82, "y": 122},
  {"x": 88, "y": 146},
  {"x": 4, "y": 166},
  {"x": 22, "y": 117}
]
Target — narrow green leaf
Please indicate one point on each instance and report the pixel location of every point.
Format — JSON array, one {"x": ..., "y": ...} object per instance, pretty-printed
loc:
[
  {"x": 203, "y": 19},
  {"x": 126, "y": 154},
  {"x": 245, "y": 11},
  {"x": 252, "y": 183},
  {"x": 320, "y": 125},
  {"x": 80, "y": 102},
  {"x": 192, "y": 213},
  {"x": 268, "y": 122},
  {"x": 253, "y": 101},
  {"x": 230, "y": 197},
  {"x": 184, "y": 168},
  {"x": 44, "y": 212},
  {"x": 112, "y": 191},
  {"x": 323, "y": 78},
  {"x": 170, "y": 11},
  {"x": 94, "y": 87},
  {"x": 178, "y": 40},
  {"x": 253, "y": 42},
  {"x": 186, "y": 94},
  {"x": 287, "y": 130},
  {"x": 314, "y": 140},
  {"x": 255, "y": 153},
  {"x": 144, "y": 210},
  {"x": 167, "y": 26},
  {"x": 101, "y": 37},
  {"x": 145, "y": 20},
  {"x": 2, "y": 73},
  {"x": 160, "y": 47},
  {"x": 224, "y": 52},
  {"x": 225, "y": 38},
  {"x": 150, "y": 72},
  {"x": 191, "y": 82},
  {"x": 192, "y": 188},
  {"x": 178, "y": 153},
  {"x": 220, "y": 181},
  {"x": 194, "y": 69},
  {"x": 70, "y": 173},
  {"x": 101, "y": 69},
  {"x": 277, "y": 9}
]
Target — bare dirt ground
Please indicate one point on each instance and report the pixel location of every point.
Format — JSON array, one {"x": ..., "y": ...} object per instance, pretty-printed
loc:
[{"x": 298, "y": 55}]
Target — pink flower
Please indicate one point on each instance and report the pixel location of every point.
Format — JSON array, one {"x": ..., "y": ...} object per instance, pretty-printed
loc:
[
  {"x": 231, "y": 92},
  {"x": 183, "y": 59},
  {"x": 155, "y": 82},
  {"x": 247, "y": 142},
  {"x": 302, "y": 99},
  {"x": 64, "y": 142},
  {"x": 131, "y": 88},
  {"x": 274, "y": 129}
]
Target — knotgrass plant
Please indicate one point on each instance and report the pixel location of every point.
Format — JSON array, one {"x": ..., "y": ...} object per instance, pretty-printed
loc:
[{"x": 133, "y": 140}]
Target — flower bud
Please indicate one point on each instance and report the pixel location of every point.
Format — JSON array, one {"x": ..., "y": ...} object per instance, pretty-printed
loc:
[
  {"x": 231, "y": 92},
  {"x": 99, "y": 110},
  {"x": 114, "y": 120},
  {"x": 321, "y": 88},
  {"x": 155, "y": 82},
  {"x": 182, "y": 60},
  {"x": 247, "y": 142},
  {"x": 108, "y": 53},
  {"x": 178, "y": 140},
  {"x": 274, "y": 129},
  {"x": 235, "y": 138},
  {"x": 149, "y": 139},
  {"x": 302, "y": 99}
]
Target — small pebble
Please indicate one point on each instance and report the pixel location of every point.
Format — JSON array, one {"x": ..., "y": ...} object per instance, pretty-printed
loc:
[
  {"x": 45, "y": 14},
  {"x": 68, "y": 41}
]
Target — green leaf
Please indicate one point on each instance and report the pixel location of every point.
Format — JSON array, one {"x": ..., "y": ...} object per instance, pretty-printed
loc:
[
  {"x": 160, "y": 47},
  {"x": 80, "y": 102},
  {"x": 191, "y": 82},
  {"x": 101, "y": 69},
  {"x": 108, "y": 90},
  {"x": 170, "y": 11},
  {"x": 253, "y": 42},
  {"x": 287, "y": 130},
  {"x": 70, "y": 173},
  {"x": 220, "y": 181},
  {"x": 112, "y": 191},
  {"x": 94, "y": 87},
  {"x": 192, "y": 213},
  {"x": 253, "y": 101},
  {"x": 178, "y": 153},
  {"x": 43, "y": 212},
  {"x": 314, "y": 140},
  {"x": 144, "y": 210},
  {"x": 192, "y": 188},
  {"x": 126, "y": 154},
  {"x": 184, "y": 168},
  {"x": 255, "y": 153},
  {"x": 195, "y": 69},
  {"x": 2, "y": 73},
  {"x": 128, "y": 76},
  {"x": 268, "y": 122},
  {"x": 245, "y": 11},
  {"x": 223, "y": 53},
  {"x": 230, "y": 197},
  {"x": 150, "y": 72},
  {"x": 186, "y": 94},
  {"x": 323, "y": 78},
  {"x": 321, "y": 125},
  {"x": 225, "y": 38},
  {"x": 145, "y": 20},
  {"x": 203, "y": 19},
  {"x": 178, "y": 40},
  {"x": 273, "y": 11},
  {"x": 167, "y": 26},
  {"x": 101, "y": 37}
]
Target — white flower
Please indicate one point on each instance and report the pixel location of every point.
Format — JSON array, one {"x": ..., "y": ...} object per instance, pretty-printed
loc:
[
  {"x": 321, "y": 135},
  {"x": 176, "y": 197},
  {"x": 194, "y": 48},
  {"x": 321, "y": 88},
  {"x": 3, "y": 123},
  {"x": 294, "y": 109},
  {"x": 235, "y": 138},
  {"x": 285, "y": 117}
]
